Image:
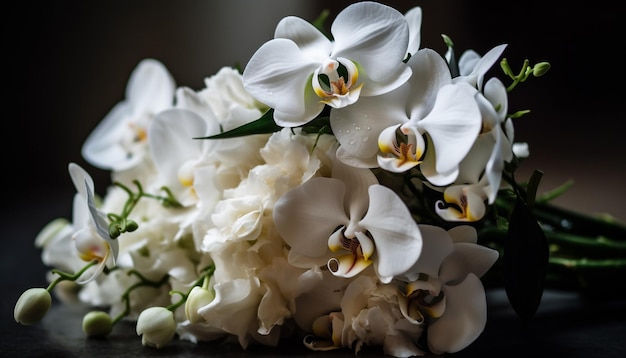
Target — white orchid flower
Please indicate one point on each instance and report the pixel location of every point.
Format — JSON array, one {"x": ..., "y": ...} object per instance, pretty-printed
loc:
[
  {"x": 176, "y": 155},
  {"x": 348, "y": 222},
  {"x": 119, "y": 142},
  {"x": 91, "y": 237},
  {"x": 428, "y": 104},
  {"x": 300, "y": 71},
  {"x": 473, "y": 67},
  {"x": 469, "y": 203},
  {"x": 480, "y": 172},
  {"x": 449, "y": 289}
]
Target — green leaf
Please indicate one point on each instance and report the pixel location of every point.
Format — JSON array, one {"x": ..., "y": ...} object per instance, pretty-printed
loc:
[
  {"x": 263, "y": 125},
  {"x": 319, "y": 125},
  {"x": 525, "y": 261}
]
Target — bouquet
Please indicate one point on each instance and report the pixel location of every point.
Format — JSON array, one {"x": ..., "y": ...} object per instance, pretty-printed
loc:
[{"x": 346, "y": 189}]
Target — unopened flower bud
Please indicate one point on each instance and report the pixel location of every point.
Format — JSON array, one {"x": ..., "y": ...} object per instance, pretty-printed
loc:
[
  {"x": 32, "y": 305},
  {"x": 541, "y": 69},
  {"x": 157, "y": 326},
  {"x": 198, "y": 298},
  {"x": 97, "y": 324}
]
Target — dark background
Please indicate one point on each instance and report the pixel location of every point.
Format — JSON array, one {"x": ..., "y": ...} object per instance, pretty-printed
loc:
[{"x": 66, "y": 64}]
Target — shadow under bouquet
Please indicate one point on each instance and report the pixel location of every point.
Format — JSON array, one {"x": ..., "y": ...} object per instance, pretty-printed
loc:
[{"x": 345, "y": 189}]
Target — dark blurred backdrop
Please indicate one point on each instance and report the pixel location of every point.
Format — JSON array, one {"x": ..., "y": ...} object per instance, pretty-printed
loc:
[{"x": 66, "y": 64}]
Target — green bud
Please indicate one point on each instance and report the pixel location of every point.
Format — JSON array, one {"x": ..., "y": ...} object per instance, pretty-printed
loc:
[
  {"x": 447, "y": 40},
  {"x": 541, "y": 69},
  {"x": 131, "y": 226},
  {"x": 114, "y": 230},
  {"x": 97, "y": 324},
  {"x": 506, "y": 68},
  {"x": 32, "y": 305}
]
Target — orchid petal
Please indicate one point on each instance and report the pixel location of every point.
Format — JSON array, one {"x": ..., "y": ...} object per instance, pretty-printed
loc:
[
  {"x": 430, "y": 73},
  {"x": 473, "y": 165},
  {"x": 101, "y": 224},
  {"x": 436, "y": 247},
  {"x": 367, "y": 245},
  {"x": 376, "y": 88},
  {"x": 476, "y": 76},
  {"x": 464, "y": 320},
  {"x": 495, "y": 164},
  {"x": 467, "y": 62},
  {"x": 308, "y": 38},
  {"x": 357, "y": 127},
  {"x": 150, "y": 87},
  {"x": 374, "y": 35},
  {"x": 395, "y": 233},
  {"x": 467, "y": 258},
  {"x": 429, "y": 170},
  {"x": 453, "y": 125},
  {"x": 357, "y": 181},
  {"x": 102, "y": 148},
  {"x": 496, "y": 93},
  {"x": 186, "y": 98},
  {"x": 306, "y": 227},
  {"x": 463, "y": 234},
  {"x": 85, "y": 187},
  {"x": 175, "y": 153},
  {"x": 347, "y": 265},
  {"x": 278, "y": 75},
  {"x": 414, "y": 20}
]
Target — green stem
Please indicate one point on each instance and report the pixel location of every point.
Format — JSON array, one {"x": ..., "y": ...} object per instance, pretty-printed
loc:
[
  {"x": 142, "y": 282},
  {"x": 64, "y": 276},
  {"x": 203, "y": 279}
]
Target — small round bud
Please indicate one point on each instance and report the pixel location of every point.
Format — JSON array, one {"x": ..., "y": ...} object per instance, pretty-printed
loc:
[
  {"x": 32, "y": 305},
  {"x": 97, "y": 324},
  {"x": 198, "y": 298},
  {"x": 541, "y": 69},
  {"x": 131, "y": 226},
  {"x": 157, "y": 326}
]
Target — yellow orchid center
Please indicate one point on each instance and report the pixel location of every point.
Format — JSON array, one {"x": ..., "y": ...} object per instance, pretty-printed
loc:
[{"x": 335, "y": 78}]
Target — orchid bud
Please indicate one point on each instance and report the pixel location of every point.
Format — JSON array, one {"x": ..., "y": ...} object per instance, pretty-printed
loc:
[
  {"x": 541, "y": 69},
  {"x": 157, "y": 326},
  {"x": 97, "y": 324},
  {"x": 32, "y": 305},
  {"x": 198, "y": 297}
]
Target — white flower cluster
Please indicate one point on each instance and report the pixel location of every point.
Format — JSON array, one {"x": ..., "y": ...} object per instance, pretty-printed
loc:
[{"x": 290, "y": 230}]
